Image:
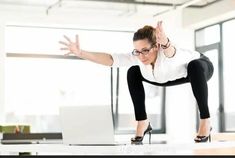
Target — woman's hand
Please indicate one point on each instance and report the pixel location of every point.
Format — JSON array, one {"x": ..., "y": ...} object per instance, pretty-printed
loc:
[
  {"x": 160, "y": 34},
  {"x": 164, "y": 42},
  {"x": 71, "y": 47}
]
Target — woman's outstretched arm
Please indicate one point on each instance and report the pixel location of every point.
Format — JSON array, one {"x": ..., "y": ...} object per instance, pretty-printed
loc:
[{"x": 73, "y": 47}]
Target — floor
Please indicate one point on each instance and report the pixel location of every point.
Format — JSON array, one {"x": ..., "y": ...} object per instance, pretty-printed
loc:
[
  {"x": 222, "y": 144},
  {"x": 160, "y": 145}
]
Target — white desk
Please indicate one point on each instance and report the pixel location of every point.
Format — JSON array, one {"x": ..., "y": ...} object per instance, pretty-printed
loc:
[{"x": 153, "y": 149}]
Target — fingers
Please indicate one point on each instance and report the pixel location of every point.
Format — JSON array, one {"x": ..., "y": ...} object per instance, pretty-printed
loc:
[
  {"x": 67, "y": 39},
  {"x": 159, "y": 27},
  {"x": 69, "y": 46},
  {"x": 67, "y": 54},
  {"x": 159, "y": 24},
  {"x": 160, "y": 34},
  {"x": 64, "y": 48},
  {"x": 64, "y": 43},
  {"x": 77, "y": 39}
]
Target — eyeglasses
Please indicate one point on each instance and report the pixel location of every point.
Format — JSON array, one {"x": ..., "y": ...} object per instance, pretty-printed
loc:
[{"x": 144, "y": 51}]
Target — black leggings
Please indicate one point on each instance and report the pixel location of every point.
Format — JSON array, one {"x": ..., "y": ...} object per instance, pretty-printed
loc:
[{"x": 199, "y": 72}]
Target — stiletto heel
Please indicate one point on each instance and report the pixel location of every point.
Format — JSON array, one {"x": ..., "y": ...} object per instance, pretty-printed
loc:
[
  {"x": 150, "y": 137},
  {"x": 139, "y": 139},
  {"x": 202, "y": 139}
]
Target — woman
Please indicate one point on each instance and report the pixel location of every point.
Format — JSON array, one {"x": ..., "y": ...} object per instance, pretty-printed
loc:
[{"x": 157, "y": 61}]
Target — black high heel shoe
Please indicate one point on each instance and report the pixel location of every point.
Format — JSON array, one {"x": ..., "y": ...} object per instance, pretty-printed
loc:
[
  {"x": 139, "y": 139},
  {"x": 203, "y": 139}
]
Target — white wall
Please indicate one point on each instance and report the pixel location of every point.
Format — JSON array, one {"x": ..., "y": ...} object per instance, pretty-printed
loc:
[{"x": 219, "y": 11}]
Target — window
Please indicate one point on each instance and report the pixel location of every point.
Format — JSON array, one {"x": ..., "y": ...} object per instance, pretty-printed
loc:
[
  {"x": 40, "y": 86},
  {"x": 229, "y": 78},
  {"x": 207, "y": 36},
  {"x": 36, "y": 86}
]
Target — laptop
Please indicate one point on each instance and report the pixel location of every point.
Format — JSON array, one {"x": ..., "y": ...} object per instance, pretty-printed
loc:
[{"x": 87, "y": 125}]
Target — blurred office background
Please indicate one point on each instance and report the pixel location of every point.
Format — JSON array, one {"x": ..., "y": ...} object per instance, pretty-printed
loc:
[{"x": 36, "y": 78}]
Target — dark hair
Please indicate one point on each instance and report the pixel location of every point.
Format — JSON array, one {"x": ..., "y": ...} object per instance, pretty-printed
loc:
[{"x": 147, "y": 32}]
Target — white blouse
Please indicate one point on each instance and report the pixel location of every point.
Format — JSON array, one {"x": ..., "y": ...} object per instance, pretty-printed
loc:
[{"x": 165, "y": 69}]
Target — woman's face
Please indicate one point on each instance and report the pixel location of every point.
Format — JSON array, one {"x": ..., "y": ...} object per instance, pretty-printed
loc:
[{"x": 147, "y": 53}]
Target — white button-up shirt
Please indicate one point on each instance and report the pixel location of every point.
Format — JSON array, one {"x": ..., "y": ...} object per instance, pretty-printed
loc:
[{"x": 165, "y": 69}]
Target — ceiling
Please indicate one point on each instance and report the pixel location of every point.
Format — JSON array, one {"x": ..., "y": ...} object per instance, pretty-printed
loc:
[
  {"x": 200, "y": 3},
  {"x": 117, "y": 7}
]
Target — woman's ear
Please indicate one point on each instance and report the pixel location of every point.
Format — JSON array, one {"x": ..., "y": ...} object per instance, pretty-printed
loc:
[{"x": 156, "y": 46}]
